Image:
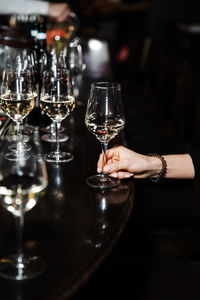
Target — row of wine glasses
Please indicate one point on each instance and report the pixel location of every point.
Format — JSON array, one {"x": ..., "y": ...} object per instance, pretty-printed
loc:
[
  {"x": 104, "y": 114},
  {"x": 22, "y": 180},
  {"x": 23, "y": 174},
  {"x": 18, "y": 97}
]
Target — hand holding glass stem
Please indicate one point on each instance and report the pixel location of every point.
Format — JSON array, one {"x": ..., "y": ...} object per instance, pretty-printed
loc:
[
  {"x": 124, "y": 163},
  {"x": 104, "y": 119}
]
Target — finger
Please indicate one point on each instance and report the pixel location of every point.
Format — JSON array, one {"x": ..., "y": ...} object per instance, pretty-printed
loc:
[
  {"x": 121, "y": 175},
  {"x": 100, "y": 163},
  {"x": 112, "y": 167},
  {"x": 112, "y": 152}
]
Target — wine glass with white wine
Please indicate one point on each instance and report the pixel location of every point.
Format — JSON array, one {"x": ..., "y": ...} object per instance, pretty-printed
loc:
[
  {"x": 104, "y": 119},
  {"x": 17, "y": 101},
  {"x": 21, "y": 182},
  {"x": 52, "y": 61},
  {"x": 57, "y": 101}
]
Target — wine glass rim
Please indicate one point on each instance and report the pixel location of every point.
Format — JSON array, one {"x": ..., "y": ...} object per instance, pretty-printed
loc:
[{"x": 106, "y": 84}]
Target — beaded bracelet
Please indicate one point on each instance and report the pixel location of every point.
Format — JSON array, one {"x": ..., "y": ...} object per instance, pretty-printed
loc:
[{"x": 163, "y": 170}]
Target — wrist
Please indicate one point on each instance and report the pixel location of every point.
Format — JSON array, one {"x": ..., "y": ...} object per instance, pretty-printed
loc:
[
  {"x": 155, "y": 166},
  {"x": 159, "y": 167}
]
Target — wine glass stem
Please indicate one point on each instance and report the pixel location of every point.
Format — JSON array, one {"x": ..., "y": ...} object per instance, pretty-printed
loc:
[
  {"x": 19, "y": 138},
  {"x": 19, "y": 228},
  {"x": 104, "y": 150},
  {"x": 18, "y": 125},
  {"x": 53, "y": 129},
  {"x": 57, "y": 137}
]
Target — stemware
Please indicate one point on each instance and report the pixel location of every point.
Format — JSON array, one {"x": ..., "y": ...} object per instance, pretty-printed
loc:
[
  {"x": 58, "y": 102},
  {"x": 50, "y": 63},
  {"x": 104, "y": 119},
  {"x": 21, "y": 182},
  {"x": 17, "y": 101},
  {"x": 75, "y": 57}
]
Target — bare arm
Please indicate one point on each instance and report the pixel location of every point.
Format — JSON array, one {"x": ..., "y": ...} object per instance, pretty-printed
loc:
[
  {"x": 124, "y": 163},
  {"x": 58, "y": 11}
]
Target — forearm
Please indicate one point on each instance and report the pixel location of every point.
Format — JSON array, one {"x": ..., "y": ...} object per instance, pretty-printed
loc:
[
  {"x": 178, "y": 166},
  {"x": 23, "y": 7}
]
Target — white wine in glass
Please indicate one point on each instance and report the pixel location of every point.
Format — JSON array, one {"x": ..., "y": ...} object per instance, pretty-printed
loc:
[
  {"x": 104, "y": 119},
  {"x": 21, "y": 182}
]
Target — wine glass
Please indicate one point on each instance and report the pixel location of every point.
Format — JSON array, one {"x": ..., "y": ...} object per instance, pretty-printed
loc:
[
  {"x": 58, "y": 102},
  {"x": 17, "y": 101},
  {"x": 104, "y": 119},
  {"x": 21, "y": 182},
  {"x": 24, "y": 60},
  {"x": 75, "y": 57},
  {"x": 51, "y": 62}
]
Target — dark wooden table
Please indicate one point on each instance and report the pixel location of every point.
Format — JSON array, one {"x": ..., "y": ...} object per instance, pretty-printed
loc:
[{"x": 73, "y": 227}]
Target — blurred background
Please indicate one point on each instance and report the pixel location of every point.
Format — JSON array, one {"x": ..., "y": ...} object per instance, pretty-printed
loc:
[{"x": 153, "y": 50}]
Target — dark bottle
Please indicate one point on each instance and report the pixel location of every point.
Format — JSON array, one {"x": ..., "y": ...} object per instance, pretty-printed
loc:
[
  {"x": 37, "y": 116},
  {"x": 41, "y": 38}
]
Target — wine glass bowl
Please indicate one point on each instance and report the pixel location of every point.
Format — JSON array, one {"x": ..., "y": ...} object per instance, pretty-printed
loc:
[
  {"x": 104, "y": 119},
  {"x": 75, "y": 57}
]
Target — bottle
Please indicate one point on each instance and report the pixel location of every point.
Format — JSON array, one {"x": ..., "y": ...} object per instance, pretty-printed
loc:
[{"x": 37, "y": 116}]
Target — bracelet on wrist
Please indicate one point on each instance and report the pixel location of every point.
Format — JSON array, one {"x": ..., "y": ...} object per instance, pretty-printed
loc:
[{"x": 163, "y": 170}]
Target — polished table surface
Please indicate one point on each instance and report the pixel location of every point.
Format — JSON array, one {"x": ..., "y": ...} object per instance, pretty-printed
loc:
[{"x": 73, "y": 227}]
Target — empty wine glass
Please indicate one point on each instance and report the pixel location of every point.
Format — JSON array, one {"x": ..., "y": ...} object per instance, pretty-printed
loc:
[
  {"x": 75, "y": 57},
  {"x": 17, "y": 101},
  {"x": 57, "y": 101},
  {"x": 104, "y": 119},
  {"x": 21, "y": 182},
  {"x": 76, "y": 65}
]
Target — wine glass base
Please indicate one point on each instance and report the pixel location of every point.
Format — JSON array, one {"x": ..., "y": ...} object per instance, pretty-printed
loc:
[
  {"x": 21, "y": 268},
  {"x": 14, "y": 156},
  {"x": 58, "y": 157},
  {"x": 102, "y": 181},
  {"x": 14, "y": 138},
  {"x": 21, "y": 147},
  {"x": 52, "y": 139},
  {"x": 48, "y": 129}
]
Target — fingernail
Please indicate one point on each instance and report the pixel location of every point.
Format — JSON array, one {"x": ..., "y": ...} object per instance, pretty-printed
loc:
[
  {"x": 114, "y": 175},
  {"x": 98, "y": 170},
  {"x": 107, "y": 169},
  {"x": 128, "y": 175}
]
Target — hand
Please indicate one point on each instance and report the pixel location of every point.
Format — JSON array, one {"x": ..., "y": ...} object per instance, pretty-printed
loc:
[
  {"x": 59, "y": 11},
  {"x": 124, "y": 163}
]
